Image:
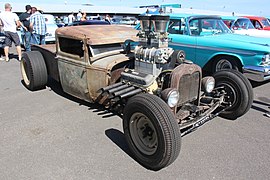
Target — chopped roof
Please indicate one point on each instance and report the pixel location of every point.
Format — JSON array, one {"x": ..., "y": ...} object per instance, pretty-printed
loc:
[{"x": 99, "y": 34}]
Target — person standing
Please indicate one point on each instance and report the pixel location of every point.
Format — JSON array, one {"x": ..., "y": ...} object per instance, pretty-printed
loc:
[
  {"x": 108, "y": 18},
  {"x": 37, "y": 27},
  {"x": 83, "y": 18},
  {"x": 10, "y": 22},
  {"x": 71, "y": 18},
  {"x": 79, "y": 15},
  {"x": 25, "y": 19}
]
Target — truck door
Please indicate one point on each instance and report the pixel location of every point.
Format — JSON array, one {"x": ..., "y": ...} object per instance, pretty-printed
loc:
[{"x": 72, "y": 66}]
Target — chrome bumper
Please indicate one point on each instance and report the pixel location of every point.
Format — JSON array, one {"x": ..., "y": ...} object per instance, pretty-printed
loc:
[{"x": 257, "y": 73}]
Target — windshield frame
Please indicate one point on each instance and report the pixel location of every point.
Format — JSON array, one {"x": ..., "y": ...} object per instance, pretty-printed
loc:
[
  {"x": 240, "y": 22},
  {"x": 265, "y": 23}
]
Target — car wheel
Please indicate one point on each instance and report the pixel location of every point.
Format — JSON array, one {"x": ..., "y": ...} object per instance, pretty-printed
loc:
[
  {"x": 33, "y": 70},
  {"x": 151, "y": 130},
  {"x": 239, "y": 92},
  {"x": 225, "y": 62}
]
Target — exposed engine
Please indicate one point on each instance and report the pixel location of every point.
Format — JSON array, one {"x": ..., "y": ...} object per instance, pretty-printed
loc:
[{"x": 152, "y": 55}]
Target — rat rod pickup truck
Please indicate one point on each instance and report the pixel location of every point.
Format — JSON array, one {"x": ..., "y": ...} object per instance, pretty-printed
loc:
[{"x": 160, "y": 95}]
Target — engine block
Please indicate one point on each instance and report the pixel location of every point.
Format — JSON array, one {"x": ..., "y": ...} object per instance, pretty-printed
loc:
[{"x": 152, "y": 54}]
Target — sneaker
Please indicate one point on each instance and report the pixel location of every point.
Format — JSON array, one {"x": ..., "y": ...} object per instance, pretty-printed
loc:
[
  {"x": 2, "y": 59},
  {"x": 7, "y": 59}
]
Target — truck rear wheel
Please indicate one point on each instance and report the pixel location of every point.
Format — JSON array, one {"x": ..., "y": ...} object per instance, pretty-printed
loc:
[
  {"x": 33, "y": 70},
  {"x": 239, "y": 92},
  {"x": 151, "y": 131}
]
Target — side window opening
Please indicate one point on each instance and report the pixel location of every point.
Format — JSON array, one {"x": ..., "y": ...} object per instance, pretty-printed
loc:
[
  {"x": 194, "y": 27},
  {"x": 257, "y": 25},
  {"x": 174, "y": 27},
  {"x": 71, "y": 46},
  {"x": 98, "y": 49}
]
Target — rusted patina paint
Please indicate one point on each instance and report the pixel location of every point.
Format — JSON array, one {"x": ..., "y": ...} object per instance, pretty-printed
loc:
[
  {"x": 99, "y": 34},
  {"x": 100, "y": 75}
]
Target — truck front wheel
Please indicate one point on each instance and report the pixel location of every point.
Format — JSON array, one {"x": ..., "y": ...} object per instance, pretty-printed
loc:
[
  {"x": 151, "y": 131},
  {"x": 33, "y": 70},
  {"x": 239, "y": 92}
]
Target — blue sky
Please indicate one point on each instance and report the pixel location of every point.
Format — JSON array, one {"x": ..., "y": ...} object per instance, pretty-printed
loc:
[{"x": 259, "y": 7}]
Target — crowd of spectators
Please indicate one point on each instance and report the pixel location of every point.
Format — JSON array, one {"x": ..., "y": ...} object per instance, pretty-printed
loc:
[
  {"x": 33, "y": 27},
  {"x": 32, "y": 24}
]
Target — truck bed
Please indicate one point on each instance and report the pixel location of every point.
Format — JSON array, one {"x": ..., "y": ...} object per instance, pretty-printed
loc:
[{"x": 48, "y": 47}]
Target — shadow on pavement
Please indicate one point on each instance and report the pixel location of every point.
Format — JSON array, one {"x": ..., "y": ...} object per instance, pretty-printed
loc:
[
  {"x": 256, "y": 84},
  {"x": 97, "y": 108},
  {"x": 118, "y": 138},
  {"x": 265, "y": 102}
]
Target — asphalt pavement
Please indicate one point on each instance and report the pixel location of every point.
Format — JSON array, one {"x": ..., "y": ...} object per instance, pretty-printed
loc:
[{"x": 49, "y": 135}]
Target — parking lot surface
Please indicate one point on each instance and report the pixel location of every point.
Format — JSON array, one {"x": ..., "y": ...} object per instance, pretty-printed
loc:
[{"x": 48, "y": 134}]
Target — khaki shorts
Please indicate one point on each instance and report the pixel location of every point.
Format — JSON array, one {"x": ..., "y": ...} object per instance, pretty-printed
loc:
[{"x": 11, "y": 37}]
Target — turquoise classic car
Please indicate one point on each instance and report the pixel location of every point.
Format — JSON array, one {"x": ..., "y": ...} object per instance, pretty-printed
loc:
[{"x": 209, "y": 43}]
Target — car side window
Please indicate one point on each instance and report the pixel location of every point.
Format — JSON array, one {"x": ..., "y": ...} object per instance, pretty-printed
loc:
[
  {"x": 194, "y": 27},
  {"x": 174, "y": 27},
  {"x": 177, "y": 27},
  {"x": 257, "y": 25},
  {"x": 71, "y": 46},
  {"x": 228, "y": 23}
]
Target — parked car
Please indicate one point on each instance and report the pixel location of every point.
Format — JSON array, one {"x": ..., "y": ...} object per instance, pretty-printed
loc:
[
  {"x": 116, "y": 20},
  {"x": 242, "y": 25},
  {"x": 89, "y": 22},
  {"x": 51, "y": 27},
  {"x": 160, "y": 95},
  {"x": 260, "y": 23},
  {"x": 209, "y": 43},
  {"x": 132, "y": 21}
]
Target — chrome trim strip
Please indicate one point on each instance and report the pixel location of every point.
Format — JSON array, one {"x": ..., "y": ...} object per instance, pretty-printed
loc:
[
  {"x": 214, "y": 49},
  {"x": 257, "y": 73}
]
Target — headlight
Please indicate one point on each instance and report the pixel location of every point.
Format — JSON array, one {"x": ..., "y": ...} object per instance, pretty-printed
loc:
[
  {"x": 208, "y": 84},
  {"x": 266, "y": 59},
  {"x": 170, "y": 96}
]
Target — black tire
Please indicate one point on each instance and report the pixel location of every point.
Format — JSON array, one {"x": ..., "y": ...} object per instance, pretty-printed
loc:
[
  {"x": 33, "y": 70},
  {"x": 225, "y": 62},
  {"x": 239, "y": 92},
  {"x": 151, "y": 130}
]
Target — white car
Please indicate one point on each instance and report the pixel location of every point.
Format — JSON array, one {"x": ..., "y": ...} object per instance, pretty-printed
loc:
[
  {"x": 51, "y": 27},
  {"x": 242, "y": 25}
]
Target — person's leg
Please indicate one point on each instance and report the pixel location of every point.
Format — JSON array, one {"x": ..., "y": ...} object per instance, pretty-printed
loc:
[
  {"x": 6, "y": 49},
  {"x": 27, "y": 41},
  {"x": 19, "y": 51},
  {"x": 42, "y": 39},
  {"x": 7, "y": 44},
  {"x": 34, "y": 38},
  {"x": 23, "y": 36},
  {"x": 17, "y": 42}
]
